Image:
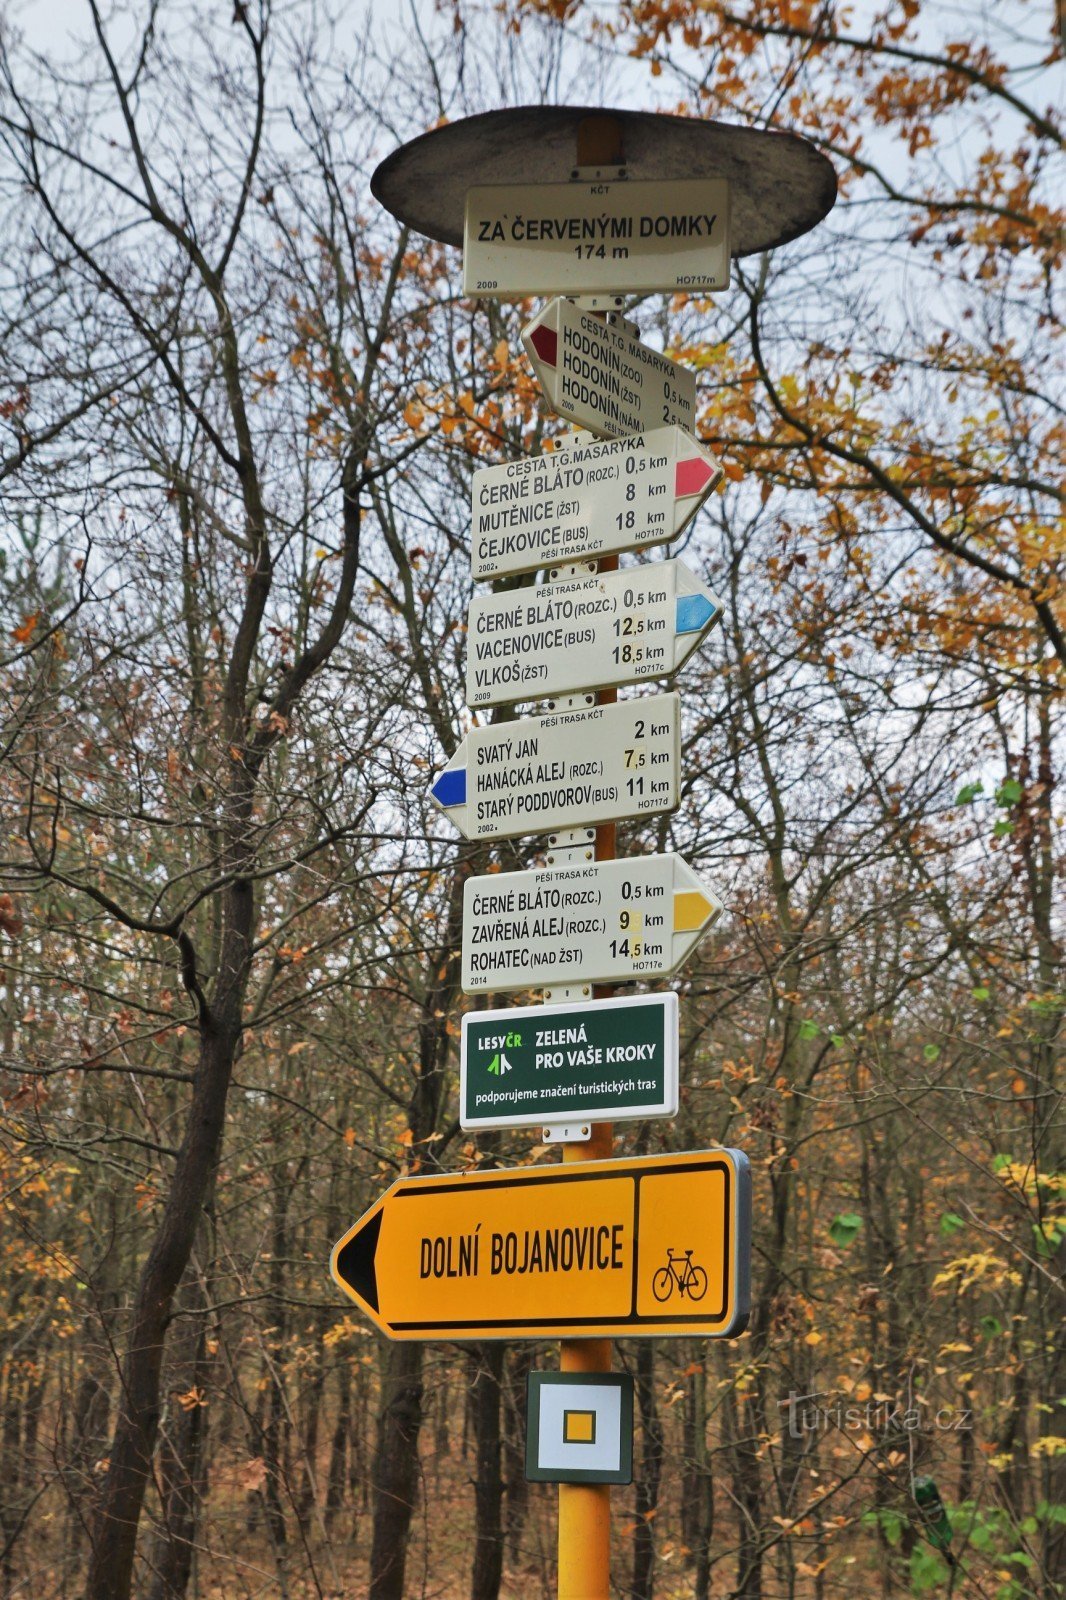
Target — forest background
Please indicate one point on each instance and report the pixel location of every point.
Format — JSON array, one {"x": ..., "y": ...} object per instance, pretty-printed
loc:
[{"x": 239, "y": 413}]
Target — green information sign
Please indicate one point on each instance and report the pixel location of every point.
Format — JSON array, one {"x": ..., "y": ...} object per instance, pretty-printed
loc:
[{"x": 533, "y": 1066}]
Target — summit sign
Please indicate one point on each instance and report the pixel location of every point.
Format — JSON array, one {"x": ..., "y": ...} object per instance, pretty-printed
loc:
[{"x": 618, "y": 237}]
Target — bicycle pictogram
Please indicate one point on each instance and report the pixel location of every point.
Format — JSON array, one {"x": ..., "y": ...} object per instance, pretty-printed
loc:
[{"x": 680, "y": 1275}]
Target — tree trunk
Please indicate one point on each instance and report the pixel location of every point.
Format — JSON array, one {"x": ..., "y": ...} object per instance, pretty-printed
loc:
[
  {"x": 182, "y": 1471},
  {"x": 396, "y": 1464},
  {"x": 514, "y": 1446},
  {"x": 359, "y": 1442},
  {"x": 305, "y": 1504},
  {"x": 10, "y": 1496},
  {"x": 277, "y": 1315},
  {"x": 747, "y": 1495},
  {"x": 650, "y": 1476},
  {"x": 339, "y": 1447},
  {"x": 92, "y": 1405},
  {"x": 697, "y": 1484},
  {"x": 488, "y": 1482},
  {"x": 115, "y": 1530},
  {"x": 395, "y": 1471}
]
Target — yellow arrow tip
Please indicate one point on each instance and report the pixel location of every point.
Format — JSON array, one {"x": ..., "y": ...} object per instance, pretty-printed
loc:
[{"x": 693, "y": 910}]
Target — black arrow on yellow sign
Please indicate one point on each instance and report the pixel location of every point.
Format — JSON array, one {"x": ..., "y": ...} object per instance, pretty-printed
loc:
[{"x": 652, "y": 1245}]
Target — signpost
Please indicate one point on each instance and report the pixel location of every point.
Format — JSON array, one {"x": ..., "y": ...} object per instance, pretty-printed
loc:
[
  {"x": 581, "y": 1251},
  {"x": 647, "y": 1245},
  {"x": 567, "y": 770},
  {"x": 543, "y": 1066},
  {"x": 585, "y": 633},
  {"x": 593, "y": 498},
  {"x": 604, "y": 922},
  {"x": 621, "y": 237},
  {"x": 599, "y": 376}
]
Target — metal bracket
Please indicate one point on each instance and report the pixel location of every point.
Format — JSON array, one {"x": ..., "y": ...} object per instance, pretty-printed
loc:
[
  {"x": 571, "y": 847},
  {"x": 574, "y": 438},
  {"x": 571, "y": 702},
  {"x": 609, "y": 307},
  {"x": 575, "y": 569},
  {"x": 605, "y": 174},
  {"x": 569, "y": 1133}
]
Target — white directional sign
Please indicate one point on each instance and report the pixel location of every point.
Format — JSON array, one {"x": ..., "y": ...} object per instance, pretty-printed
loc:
[
  {"x": 595, "y": 498},
  {"x": 601, "y": 377},
  {"x": 605, "y": 922},
  {"x": 572, "y": 769},
  {"x": 625, "y": 237},
  {"x": 585, "y": 633}
]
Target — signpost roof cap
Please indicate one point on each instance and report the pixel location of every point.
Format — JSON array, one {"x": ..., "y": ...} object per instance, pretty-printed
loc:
[{"x": 780, "y": 184}]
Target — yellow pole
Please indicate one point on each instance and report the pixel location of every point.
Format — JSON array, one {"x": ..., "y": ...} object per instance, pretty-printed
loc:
[{"x": 585, "y": 1508}]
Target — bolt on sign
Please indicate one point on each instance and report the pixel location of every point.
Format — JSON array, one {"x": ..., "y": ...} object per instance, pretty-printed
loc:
[
  {"x": 592, "y": 498},
  {"x": 536, "y": 1066},
  {"x": 604, "y": 922},
  {"x": 599, "y": 376},
  {"x": 601, "y": 1249},
  {"x": 569, "y": 769},
  {"x": 615, "y": 237},
  {"x": 595, "y": 632}
]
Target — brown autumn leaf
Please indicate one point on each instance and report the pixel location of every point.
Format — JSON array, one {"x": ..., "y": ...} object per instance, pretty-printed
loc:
[
  {"x": 253, "y": 1474},
  {"x": 10, "y": 921},
  {"x": 24, "y": 632}
]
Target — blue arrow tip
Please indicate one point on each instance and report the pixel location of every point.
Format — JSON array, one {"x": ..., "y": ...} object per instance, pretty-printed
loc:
[
  {"x": 450, "y": 787},
  {"x": 694, "y": 613}
]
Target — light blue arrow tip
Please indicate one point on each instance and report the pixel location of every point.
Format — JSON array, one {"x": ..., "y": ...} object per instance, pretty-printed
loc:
[
  {"x": 450, "y": 787},
  {"x": 694, "y": 612}
]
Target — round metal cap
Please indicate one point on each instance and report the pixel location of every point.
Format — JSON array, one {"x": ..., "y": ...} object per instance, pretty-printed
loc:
[{"x": 780, "y": 184}]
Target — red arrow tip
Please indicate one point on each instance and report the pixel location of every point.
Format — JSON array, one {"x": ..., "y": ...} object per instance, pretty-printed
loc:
[
  {"x": 545, "y": 342},
  {"x": 693, "y": 475}
]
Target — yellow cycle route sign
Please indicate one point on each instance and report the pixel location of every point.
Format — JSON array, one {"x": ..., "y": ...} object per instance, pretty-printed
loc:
[{"x": 600, "y": 1249}]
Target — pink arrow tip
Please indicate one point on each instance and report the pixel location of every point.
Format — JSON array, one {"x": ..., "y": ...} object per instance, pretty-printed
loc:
[
  {"x": 545, "y": 342},
  {"x": 694, "y": 475}
]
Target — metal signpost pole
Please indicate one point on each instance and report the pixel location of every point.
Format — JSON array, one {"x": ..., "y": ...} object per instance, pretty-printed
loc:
[
  {"x": 585, "y": 1508},
  {"x": 586, "y": 206}
]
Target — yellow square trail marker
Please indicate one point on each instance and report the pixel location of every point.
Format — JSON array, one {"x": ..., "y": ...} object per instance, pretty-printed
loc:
[{"x": 579, "y": 1427}]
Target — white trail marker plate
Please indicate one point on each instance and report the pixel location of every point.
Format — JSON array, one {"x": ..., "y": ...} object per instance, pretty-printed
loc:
[
  {"x": 595, "y": 498},
  {"x": 585, "y": 633},
  {"x": 623, "y": 237},
  {"x": 572, "y": 769},
  {"x": 605, "y": 922},
  {"x": 601, "y": 377}
]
